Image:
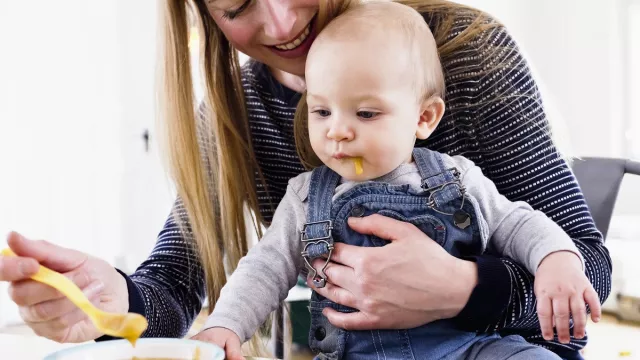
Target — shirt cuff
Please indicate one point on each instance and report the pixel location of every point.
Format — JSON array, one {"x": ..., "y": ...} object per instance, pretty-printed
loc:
[
  {"x": 136, "y": 303},
  {"x": 490, "y": 298}
]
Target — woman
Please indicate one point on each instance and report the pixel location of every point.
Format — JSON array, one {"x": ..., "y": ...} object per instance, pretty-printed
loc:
[{"x": 239, "y": 149}]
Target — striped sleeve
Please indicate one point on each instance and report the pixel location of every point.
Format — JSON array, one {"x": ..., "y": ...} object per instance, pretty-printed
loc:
[
  {"x": 170, "y": 282},
  {"x": 168, "y": 288}
]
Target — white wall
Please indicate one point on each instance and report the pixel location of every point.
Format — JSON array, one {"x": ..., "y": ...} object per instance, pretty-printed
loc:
[
  {"x": 60, "y": 143},
  {"x": 147, "y": 194},
  {"x": 633, "y": 80},
  {"x": 576, "y": 50},
  {"x": 60, "y": 122},
  {"x": 75, "y": 97}
]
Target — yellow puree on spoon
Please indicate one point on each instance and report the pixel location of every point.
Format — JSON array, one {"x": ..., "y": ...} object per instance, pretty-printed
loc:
[{"x": 129, "y": 326}]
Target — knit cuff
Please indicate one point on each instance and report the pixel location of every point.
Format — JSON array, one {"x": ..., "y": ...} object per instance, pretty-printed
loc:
[
  {"x": 136, "y": 303},
  {"x": 489, "y": 298}
]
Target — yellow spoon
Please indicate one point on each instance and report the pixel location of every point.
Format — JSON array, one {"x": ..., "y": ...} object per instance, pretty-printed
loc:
[{"x": 129, "y": 326}]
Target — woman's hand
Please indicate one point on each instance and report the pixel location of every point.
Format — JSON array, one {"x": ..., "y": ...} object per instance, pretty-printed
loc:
[
  {"x": 407, "y": 283},
  {"x": 224, "y": 338},
  {"x": 43, "y": 308}
]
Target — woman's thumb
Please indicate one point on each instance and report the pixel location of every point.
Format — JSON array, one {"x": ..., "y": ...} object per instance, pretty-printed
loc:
[{"x": 50, "y": 255}]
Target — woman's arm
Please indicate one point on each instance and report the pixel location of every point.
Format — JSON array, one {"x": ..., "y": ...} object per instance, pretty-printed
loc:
[
  {"x": 518, "y": 154},
  {"x": 171, "y": 281},
  {"x": 168, "y": 288}
]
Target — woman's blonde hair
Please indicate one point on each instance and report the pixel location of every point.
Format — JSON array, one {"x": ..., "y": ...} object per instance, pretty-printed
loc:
[{"x": 209, "y": 150}]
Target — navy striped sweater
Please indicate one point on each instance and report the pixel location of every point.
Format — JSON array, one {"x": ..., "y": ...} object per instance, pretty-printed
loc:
[{"x": 494, "y": 117}]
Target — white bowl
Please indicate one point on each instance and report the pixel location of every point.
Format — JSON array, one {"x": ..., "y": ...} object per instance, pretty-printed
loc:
[{"x": 145, "y": 348}]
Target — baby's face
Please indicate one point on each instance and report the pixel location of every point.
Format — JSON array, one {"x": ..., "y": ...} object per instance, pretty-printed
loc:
[{"x": 362, "y": 103}]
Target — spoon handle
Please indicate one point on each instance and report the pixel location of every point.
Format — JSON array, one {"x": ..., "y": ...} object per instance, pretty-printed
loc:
[{"x": 62, "y": 284}]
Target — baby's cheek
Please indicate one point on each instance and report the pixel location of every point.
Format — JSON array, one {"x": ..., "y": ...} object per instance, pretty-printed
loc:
[{"x": 383, "y": 158}]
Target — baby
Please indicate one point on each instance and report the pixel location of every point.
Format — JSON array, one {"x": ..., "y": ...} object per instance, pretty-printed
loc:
[{"x": 374, "y": 86}]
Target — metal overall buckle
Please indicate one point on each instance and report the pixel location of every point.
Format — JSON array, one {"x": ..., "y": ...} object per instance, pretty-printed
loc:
[
  {"x": 460, "y": 217},
  {"x": 319, "y": 279}
]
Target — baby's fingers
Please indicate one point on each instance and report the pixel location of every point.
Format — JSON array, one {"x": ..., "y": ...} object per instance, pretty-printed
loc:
[
  {"x": 561, "y": 317},
  {"x": 545, "y": 315},
  {"x": 592, "y": 299},
  {"x": 579, "y": 314},
  {"x": 232, "y": 349}
]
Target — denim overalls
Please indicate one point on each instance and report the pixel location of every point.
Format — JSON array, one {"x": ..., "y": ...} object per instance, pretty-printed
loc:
[{"x": 442, "y": 211}]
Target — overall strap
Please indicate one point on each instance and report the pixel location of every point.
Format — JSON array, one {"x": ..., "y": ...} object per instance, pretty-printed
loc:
[
  {"x": 443, "y": 184},
  {"x": 316, "y": 234}
]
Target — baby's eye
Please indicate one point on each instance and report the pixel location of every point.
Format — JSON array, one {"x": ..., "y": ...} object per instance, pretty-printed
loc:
[
  {"x": 367, "y": 114},
  {"x": 322, "y": 112}
]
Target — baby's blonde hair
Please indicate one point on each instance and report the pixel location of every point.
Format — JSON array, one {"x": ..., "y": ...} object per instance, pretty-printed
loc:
[{"x": 360, "y": 20}]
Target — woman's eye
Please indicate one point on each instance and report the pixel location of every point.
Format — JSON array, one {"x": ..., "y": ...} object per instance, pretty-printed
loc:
[
  {"x": 232, "y": 14},
  {"x": 367, "y": 114},
  {"x": 321, "y": 112}
]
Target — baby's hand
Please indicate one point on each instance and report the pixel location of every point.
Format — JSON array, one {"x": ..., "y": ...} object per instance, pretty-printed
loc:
[
  {"x": 562, "y": 289},
  {"x": 225, "y": 338}
]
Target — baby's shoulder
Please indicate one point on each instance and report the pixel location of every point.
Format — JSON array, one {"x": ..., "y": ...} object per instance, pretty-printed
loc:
[{"x": 299, "y": 185}]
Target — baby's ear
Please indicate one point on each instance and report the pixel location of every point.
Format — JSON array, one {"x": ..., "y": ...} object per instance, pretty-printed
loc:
[{"x": 431, "y": 112}]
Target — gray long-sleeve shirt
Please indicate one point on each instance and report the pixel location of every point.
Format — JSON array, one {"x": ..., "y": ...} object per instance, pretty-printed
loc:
[{"x": 263, "y": 277}]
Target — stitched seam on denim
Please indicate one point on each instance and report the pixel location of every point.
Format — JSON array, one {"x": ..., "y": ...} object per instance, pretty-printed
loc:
[
  {"x": 482, "y": 225},
  {"x": 343, "y": 336},
  {"x": 373, "y": 339},
  {"x": 384, "y": 355},
  {"x": 406, "y": 344}
]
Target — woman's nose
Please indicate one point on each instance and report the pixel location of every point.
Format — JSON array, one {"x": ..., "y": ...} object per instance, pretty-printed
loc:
[{"x": 280, "y": 20}]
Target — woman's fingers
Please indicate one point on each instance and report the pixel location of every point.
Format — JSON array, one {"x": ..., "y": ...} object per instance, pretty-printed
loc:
[
  {"x": 349, "y": 255},
  {"x": 382, "y": 226},
  {"x": 15, "y": 268},
  {"x": 349, "y": 321},
  {"x": 50, "y": 255},
  {"x": 337, "y": 274},
  {"x": 30, "y": 292},
  {"x": 336, "y": 294}
]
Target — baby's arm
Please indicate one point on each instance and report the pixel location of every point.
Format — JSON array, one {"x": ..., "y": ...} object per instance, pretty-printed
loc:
[
  {"x": 531, "y": 238},
  {"x": 265, "y": 275},
  {"x": 513, "y": 229}
]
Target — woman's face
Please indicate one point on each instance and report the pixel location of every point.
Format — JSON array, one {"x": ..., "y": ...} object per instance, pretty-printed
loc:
[{"x": 277, "y": 33}]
